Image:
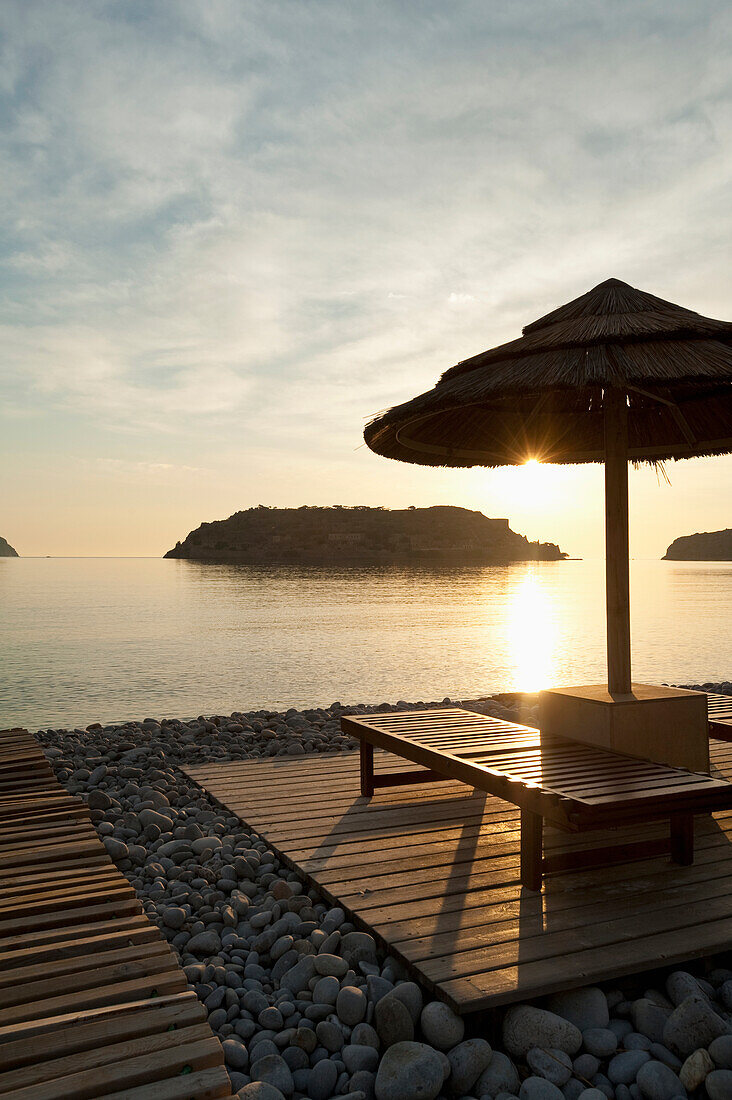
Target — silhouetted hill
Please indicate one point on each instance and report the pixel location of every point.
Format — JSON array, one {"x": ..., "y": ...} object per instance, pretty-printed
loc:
[
  {"x": 705, "y": 546},
  {"x": 6, "y": 550},
  {"x": 351, "y": 535}
]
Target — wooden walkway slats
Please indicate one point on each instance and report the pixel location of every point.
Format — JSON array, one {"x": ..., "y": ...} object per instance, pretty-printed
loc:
[
  {"x": 432, "y": 870},
  {"x": 92, "y": 1000}
]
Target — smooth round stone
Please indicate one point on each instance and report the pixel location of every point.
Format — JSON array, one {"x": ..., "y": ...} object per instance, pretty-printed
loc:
[
  {"x": 621, "y": 1028},
  {"x": 623, "y": 1068},
  {"x": 329, "y": 1035},
  {"x": 554, "y": 1065},
  {"x": 719, "y": 1084},
  {"x": 600, "y": 1041},
  {"x": 322, "y": 1080},
  {"x": 441, "y": 1027},
  {"x": 657, "y": 1081},
  {"x": 467, "y": 1061},
  {"x": 538, "y": 1088},
  {"x": 663, "y": 1054},
  {"x": 681, "y": 985},
  {"x": 525, "y": 1026},
  {"x": 271, "y": 1019},
  {"x": 636, "y": 1041},
  {"x": 326, "y": 990},
  {"x": 693, "y": 1024},
  {"x": 649, "y": 1019},
  {"x": 174, "y": 917},
  {"x": 259, "y": 1090},
  {"x": 592, "y": 1094},
  {"x": 331, "y": 966},
  {"x": 500, "y": 1076},
  {"x": 235, "y": 1054},
  {"x": 392, "y": 1021},
  {"x": 357, "y": 947},
  {"x": 721, "y": 1051},
  {"x": 585, "y": 1008},
  {"x": 586, "y": 1065},
  {"x": 409, "y": 1071},
  {"x": 695, "y": 1069},
  {"x": 364, "y": 1035},
  {"x": 411, "y": 997},
  {"x": 356, "y": 1058},
  {"x": 273, "y": 1070},
  {"x": 351, "y": 1005},
  {"x": 574, "y": 1087}
]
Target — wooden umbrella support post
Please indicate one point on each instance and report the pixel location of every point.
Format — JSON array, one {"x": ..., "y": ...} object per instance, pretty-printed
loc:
[
  {"x": 654, "y": 723},
  {"x": 617, "y": 550}
]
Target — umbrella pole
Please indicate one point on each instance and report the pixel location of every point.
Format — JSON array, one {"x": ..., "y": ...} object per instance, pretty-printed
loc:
[{"x": 617, "y": 565}]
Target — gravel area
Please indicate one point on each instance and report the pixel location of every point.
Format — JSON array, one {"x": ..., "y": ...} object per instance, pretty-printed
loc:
[{"x": 305, "y": 1005}]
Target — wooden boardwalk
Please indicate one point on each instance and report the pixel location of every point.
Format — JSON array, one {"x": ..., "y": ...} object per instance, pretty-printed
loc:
[
  {"x": 432, "y": 870},
  {"x": 92, "y": 1000}
]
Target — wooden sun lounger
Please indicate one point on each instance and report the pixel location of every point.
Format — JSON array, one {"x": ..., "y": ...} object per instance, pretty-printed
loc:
[
  {"x": 573, "y": 786},
  {"x": 719, "y": 710}
]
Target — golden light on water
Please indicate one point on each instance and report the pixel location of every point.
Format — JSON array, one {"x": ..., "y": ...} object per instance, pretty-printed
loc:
[{"x": 532, "y": 632}]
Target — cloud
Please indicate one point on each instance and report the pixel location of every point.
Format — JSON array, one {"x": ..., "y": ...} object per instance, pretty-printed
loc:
[{"x": 281, "y": 217}]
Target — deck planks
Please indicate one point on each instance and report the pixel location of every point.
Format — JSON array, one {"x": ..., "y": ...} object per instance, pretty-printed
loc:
[
  {"x": 433, "y": 871},
  {"x": 93, "y": 1002}
]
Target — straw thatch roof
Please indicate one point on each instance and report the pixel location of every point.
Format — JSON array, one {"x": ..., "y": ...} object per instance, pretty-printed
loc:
[{"x": 541, "y": 395}]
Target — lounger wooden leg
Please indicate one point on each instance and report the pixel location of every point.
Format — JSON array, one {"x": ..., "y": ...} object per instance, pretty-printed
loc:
[
  {"x": 682, "y": 838},
  {"x": 367, "y": 768},
  {"x": 532, "y": 828}
]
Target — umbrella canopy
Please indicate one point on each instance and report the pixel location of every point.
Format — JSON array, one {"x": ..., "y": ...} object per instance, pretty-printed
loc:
[
  {"x": 612, "y": 376},
  {"x": 541, "y": 396}
]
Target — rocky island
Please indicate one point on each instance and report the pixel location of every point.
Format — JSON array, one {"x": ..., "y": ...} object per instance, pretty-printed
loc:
[
  {"x": 354, "y": 535},
  {"x": 6, "y": 550},
  {"x": 705, "y": 546}
]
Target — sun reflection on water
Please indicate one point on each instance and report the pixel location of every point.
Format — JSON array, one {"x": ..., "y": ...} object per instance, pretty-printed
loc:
[{"x": 532, "y": 633}]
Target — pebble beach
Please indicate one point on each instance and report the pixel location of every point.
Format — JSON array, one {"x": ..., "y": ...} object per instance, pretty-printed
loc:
[{"x": 306, "y": 1006}]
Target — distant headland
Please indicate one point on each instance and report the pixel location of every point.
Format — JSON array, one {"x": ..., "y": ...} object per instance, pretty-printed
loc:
[
  {"x": 6, "y": 550},
  {"x": 705, "y": 546},
  {"x": 342, "y": 534}
]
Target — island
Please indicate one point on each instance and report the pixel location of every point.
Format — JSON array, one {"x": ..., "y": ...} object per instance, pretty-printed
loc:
[
  {"x": 6, "y": 550},
  {"x": 354, "y": 535},
  {"x": 704, "y": 546}
]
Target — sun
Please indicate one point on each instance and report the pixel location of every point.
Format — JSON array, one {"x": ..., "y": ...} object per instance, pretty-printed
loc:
[{"x": 532, "y": 482}]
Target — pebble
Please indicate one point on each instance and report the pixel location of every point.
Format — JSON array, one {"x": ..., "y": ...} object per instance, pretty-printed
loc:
[
  {"x": 649, "y": 1019},
  {"x": 356, "y": 1057},
  {"x": 555, "y": 1065},
  {"x": 693, "y": 1024},
  {"x": 721, "y": 1051},
  {"x": 322, "y": 1080},
  {"x": 695, "y": 1069},
  {"x": 351, "y": 1005},
  {"x": 585, "y": 1008},
  {"x": 393, "y": 1021},
  {"x": 409, "y": 1071},
  {"x": 538, "y": 1088},
  {"x": 525, "y": 1026},
  {"x": 500, "y": 1075},
  {"x": 623, "y": 1068},
  {"x": 467, "y": 1061},
  {"x": 259, "y": 1090},
  {"x": 719, "y": 1084},
  {"x": 657, "y": 1081},
  {"x": 441, "y": 1027},
  {"x": 600, "y": 1041}
]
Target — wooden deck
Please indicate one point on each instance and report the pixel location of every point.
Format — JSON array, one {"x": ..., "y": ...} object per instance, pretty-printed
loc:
[
  {"x": 432, "y": 870},
  {"x": 92, "y": 1000}
]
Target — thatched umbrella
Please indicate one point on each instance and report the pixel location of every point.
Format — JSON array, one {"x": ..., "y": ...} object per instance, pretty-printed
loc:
[{"x": 612, "y": 376}]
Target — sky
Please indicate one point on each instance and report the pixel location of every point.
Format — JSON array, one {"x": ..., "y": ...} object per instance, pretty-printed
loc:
[{"x": 233, "y": 231}]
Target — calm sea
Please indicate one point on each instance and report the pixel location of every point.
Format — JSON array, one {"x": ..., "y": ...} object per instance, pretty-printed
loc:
[{"x": 102, "y": 639}]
